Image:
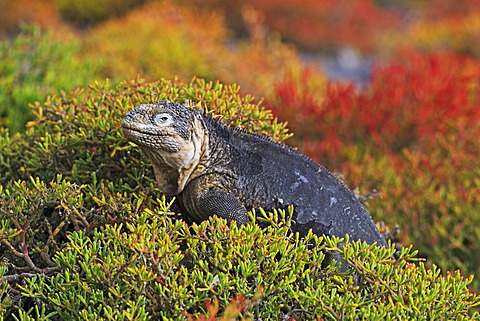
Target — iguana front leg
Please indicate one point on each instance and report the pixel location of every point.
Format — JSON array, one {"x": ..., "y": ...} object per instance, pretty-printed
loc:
[{"x": 201, "y": 199}]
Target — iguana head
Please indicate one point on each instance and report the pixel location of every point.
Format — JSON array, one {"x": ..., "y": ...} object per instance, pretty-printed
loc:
[{"x": 172, "y": 136}]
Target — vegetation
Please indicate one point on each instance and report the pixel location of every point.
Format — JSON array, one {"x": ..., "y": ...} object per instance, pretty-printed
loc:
[
  {"x": 413, "y": 137},
  {"x": 75, "y": 196},
  {"x": 33, "y": 66},
  {"x": 322, "y": 25},
  {"x": 86, "y": 234},
  {"x": 87, "y": 12}
]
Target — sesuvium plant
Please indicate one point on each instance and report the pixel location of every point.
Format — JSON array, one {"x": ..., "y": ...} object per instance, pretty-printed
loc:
[{"x": 85, "y": 234}]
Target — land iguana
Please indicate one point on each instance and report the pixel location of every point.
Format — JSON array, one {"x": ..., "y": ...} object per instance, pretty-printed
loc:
[{"x": 214, "y": 169}]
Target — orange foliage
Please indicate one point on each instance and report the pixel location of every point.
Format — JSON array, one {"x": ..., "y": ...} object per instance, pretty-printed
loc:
[
  {"x": 158, "y": 40},
  {"x": 163, "y": 39},
  {"x": 407, "y": 103},
  {"x": 316, "y": 24},
  {"x": 442, "y": 8},
  {"x": 459, "y": 34},
  {"x": 413, "y": 136},
  {"x": 41, "y": 12}
]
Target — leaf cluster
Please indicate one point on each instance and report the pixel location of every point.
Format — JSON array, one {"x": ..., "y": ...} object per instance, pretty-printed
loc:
[{"x": 157, "y": 267}]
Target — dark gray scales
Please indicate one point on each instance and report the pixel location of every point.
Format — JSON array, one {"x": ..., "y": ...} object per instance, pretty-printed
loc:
[{"x": 214, "y": 169}]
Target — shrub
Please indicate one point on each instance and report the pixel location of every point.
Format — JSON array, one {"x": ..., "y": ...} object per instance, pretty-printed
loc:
[
  {"x": 455, "y": 33},
  {"x": 34, "y": 65},
  {"x": 261, "y": 73},
  {"x": 158, "y": 40},
  {"x": 85, "y": 12},
  {"x": 164, "y": 39},
  {"x": 90, "y": 141},
  {"x": 85, "y": 234},
  {"x": 407, "y": 103},
  {"x": 413, "y": 137},
  {"x": 44, "y": 13},
  {"x": 322, "y": 25},
  {"x": 136, "y": 272}
]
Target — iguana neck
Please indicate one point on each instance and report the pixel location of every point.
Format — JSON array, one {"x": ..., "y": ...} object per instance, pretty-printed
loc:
[
  {"x": 199, "y": 140},
  {"x": 173, "y": 171}
]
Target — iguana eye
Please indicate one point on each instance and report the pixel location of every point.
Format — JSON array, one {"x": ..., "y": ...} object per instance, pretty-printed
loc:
[{"x": 163, "y": 119}]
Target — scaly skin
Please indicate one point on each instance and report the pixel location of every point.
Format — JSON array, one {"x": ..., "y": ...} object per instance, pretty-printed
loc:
[{"x": 213, "y": 169}]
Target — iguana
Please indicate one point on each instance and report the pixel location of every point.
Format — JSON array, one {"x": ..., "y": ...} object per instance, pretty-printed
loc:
[{"x": 215, "y": 169}]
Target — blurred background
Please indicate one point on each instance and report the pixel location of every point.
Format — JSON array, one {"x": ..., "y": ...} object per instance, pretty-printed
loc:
[{"x": 385, "y": 92}]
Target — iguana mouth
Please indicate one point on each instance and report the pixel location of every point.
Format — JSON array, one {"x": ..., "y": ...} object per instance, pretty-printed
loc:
[{"x": 131, "y": 130}]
